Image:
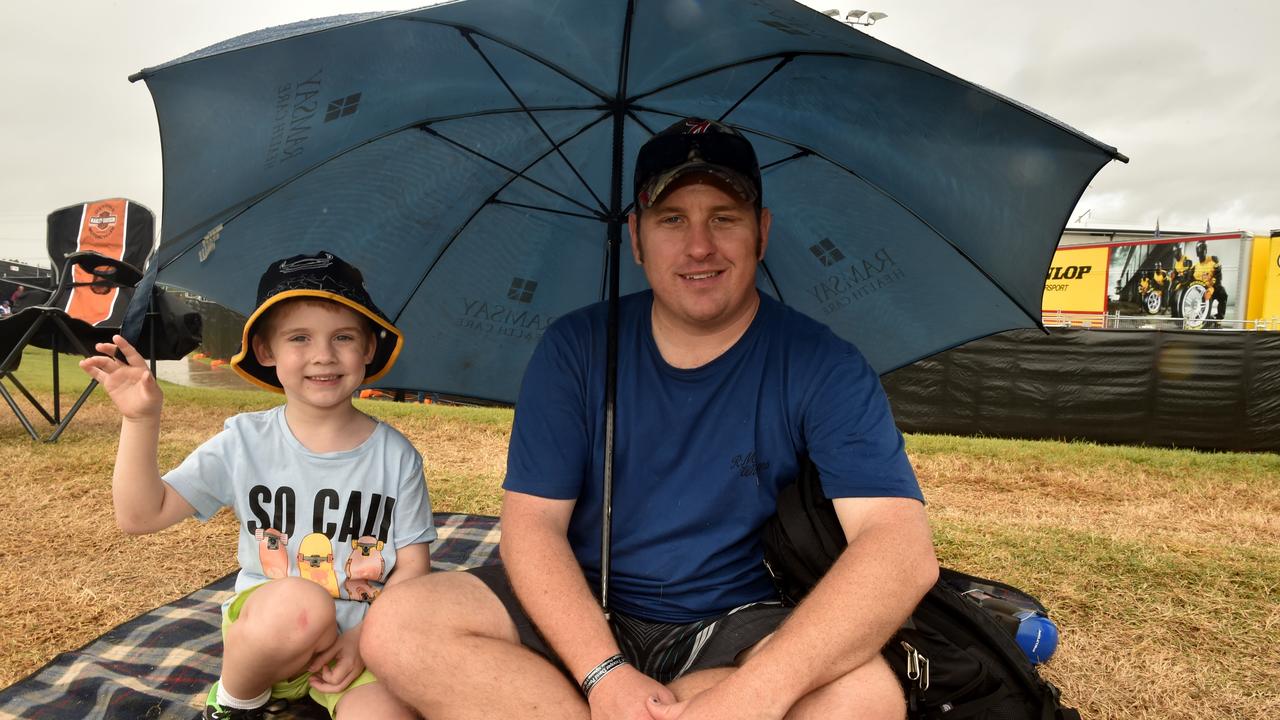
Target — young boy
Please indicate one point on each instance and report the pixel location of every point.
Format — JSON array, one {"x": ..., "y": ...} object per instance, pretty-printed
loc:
[{"x": 331, "y": 503}]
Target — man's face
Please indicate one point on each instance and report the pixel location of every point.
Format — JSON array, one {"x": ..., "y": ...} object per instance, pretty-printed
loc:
[{"x": 699, "y": 246}]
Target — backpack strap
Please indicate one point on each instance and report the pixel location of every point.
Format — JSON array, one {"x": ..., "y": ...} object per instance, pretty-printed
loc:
[{"x": 804, "y": 537}]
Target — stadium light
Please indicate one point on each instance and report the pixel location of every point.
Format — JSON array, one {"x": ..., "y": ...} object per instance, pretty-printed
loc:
[{"x": 857, "y": 17}]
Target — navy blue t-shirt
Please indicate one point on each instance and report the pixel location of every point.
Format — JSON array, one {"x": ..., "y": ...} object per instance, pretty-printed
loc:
[{"x": 700, "y": 454}]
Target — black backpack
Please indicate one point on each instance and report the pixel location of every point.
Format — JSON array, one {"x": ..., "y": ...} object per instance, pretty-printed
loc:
[{"x": 956, "y": 656}]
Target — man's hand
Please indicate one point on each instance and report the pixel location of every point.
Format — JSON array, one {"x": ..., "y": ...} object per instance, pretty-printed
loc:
[
  {"x": 130, "y": 384},
  {"x": 336, "y": 666},
  {"x": 626, "y": 694},
  {"x": 712, "y": 704}
]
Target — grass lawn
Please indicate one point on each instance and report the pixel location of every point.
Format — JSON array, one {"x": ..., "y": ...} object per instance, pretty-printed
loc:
[{"x": 1161, "y": 567}]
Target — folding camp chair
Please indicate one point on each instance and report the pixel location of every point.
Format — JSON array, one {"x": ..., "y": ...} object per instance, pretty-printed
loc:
[{"x": 98, "y": 250}]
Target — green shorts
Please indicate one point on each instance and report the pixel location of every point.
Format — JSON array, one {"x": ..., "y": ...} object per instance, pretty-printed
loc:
[{"x": 298, "y": 687}]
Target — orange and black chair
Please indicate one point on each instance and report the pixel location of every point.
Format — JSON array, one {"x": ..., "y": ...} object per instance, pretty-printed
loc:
[{"x": 98, "y": 251}]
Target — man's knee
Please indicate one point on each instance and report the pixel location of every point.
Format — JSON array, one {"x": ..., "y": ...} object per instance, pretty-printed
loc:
[{"x": 438, "y": 609}]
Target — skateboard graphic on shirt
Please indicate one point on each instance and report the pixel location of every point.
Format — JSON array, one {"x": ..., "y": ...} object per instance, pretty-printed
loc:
[
  {"x": 273, "y": 552},
  {"x": 315, "y": 562},
  {"x": 365, "y": 564}
]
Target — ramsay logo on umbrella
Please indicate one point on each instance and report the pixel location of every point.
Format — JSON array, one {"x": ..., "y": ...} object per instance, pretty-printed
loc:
[
  {"x": 522, "y": 290},
  {"x": 342, "y": 107},
  {"x": 854, "y": 281},
  {"x": 503, "y": 319},
  {"x": 295, "y": 107},
  {"x": 826, "y": 252}
]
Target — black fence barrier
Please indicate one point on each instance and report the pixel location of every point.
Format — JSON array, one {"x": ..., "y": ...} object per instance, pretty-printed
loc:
[
  {"x": 222, "y": 328},
  {"x": 1208, "y": 390}
]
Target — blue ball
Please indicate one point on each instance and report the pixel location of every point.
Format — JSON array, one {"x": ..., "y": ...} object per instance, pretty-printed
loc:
[{"x": 1037, "y": 636}]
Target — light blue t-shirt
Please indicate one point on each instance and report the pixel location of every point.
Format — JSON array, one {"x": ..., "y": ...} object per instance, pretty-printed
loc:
[
  {"x": 700, "y": 454},
  {"x": 336, "y": 518}
]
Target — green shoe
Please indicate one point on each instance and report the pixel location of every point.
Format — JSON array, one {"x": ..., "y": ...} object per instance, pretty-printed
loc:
[{"x": 214, "y": 711}]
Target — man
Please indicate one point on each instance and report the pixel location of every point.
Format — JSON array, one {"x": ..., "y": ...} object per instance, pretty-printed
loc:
[
  {"x": 1160, "y": 279},
  {"x": 720, "y": 388},
  {"x": 1209, "y": 271},
  {"x": 1180, "y": 275}
]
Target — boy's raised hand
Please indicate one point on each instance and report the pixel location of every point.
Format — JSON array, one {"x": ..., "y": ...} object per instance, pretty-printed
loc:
[{"x": 130, "y": 384}]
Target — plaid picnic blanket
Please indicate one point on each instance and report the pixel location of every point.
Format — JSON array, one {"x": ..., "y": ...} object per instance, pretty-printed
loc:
[{"x": 160, "y": 665}]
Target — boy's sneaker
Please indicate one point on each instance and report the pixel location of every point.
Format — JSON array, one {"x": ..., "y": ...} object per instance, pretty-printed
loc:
[{"x": 214, "y": 711}]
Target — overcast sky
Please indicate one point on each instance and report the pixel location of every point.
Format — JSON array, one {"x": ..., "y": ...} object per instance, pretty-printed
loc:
[{"x": 1186, "y": 89}]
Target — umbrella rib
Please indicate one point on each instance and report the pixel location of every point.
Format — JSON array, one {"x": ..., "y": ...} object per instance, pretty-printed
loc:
[
  {"x": 503, "y": 111},
  {"x": 469, "y": 29},
  {"x": 940, "y": 74},
  {"x": 493, "y": 198},
  {"x": 631, "y": 114},
  {"x": 768, "y": 274},
  {"x": 533, "y": 119},
  {"x": 426, "y": 128},
  {"x": 543, "y": 156},
  {"x": 416, "y": 124},
  {"x": 803, "y": 151},
  {"x": 443, "y": 249},
  {"x": 789, "y": 55},
  {"x": 795, "y": 156},
  {"x": 781, "y": 64},
  {"x": 526, "y": 206},
  {"x": 1034, "y": 316}
]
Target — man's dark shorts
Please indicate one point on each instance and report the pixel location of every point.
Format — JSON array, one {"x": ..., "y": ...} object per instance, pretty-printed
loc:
[{"x": 663, "y": 651}]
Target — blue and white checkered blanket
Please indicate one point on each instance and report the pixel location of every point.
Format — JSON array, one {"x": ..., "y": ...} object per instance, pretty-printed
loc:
[{"x": 160, "y": 665}]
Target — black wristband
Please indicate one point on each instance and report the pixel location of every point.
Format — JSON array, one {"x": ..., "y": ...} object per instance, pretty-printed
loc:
[{"x": 604, "y": 668}]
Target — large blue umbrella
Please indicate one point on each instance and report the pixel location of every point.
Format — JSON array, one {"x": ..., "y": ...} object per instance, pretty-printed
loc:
[{"x": 474, "y": 158}]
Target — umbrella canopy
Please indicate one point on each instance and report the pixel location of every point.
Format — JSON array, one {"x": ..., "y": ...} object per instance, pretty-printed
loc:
[{"x": 474, "y": 159}]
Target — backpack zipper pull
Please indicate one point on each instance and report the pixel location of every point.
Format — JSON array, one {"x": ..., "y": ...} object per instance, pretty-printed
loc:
[{"x": 917, "y": 666}]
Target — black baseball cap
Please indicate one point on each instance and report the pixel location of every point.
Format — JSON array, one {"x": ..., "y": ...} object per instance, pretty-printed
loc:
[
  {"x": 696, "y": 145},
  {"x": 327, "y": 277}
]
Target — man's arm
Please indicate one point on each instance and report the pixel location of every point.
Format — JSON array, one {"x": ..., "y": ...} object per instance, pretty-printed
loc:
[
  {"x": 549, "y": 583},
  {"x": 846, "y": 619}
]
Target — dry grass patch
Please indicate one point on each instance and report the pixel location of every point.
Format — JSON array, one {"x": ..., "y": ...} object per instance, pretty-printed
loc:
[
  {"x": 1161, "y": 567},
  {"x": 81, "y": 576}
]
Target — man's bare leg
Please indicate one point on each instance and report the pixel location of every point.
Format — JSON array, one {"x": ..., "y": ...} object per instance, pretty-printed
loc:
[
  {"x": 372, "y": 701},
  {"x": 870, "y": 691},
  {"x": 445, "y": 645}
]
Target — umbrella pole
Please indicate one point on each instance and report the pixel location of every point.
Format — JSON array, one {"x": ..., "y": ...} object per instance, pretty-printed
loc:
[
  {"x": 616, "y": 218},
  {"x": 611, "y": 361}
]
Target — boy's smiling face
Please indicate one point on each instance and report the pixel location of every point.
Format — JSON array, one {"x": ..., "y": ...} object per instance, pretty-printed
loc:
[{"x": 319, "y": 350}]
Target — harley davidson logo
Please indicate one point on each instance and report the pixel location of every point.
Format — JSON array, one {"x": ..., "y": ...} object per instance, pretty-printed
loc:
[{"x": 103, "y": 222}]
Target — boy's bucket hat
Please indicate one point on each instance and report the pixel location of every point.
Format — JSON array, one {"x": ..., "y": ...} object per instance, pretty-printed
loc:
[{"x": 327, "y": 277}]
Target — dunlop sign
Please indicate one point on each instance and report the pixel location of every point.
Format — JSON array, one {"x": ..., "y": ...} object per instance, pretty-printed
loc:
[{"x": 1077, "y": 281}]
